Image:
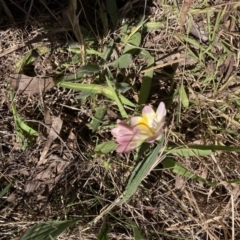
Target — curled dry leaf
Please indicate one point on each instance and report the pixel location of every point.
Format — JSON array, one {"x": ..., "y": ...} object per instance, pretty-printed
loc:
[{"x": 30, "y": 85}]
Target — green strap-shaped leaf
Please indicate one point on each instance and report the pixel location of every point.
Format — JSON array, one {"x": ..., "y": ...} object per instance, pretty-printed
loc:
[
  {"x": 133, "y": 42},
  {"x": 188, "y": 152},
  {"x": 107, "y": 50},
  {"x": 136, "y": 231},
  {"x": 116, "y": 99},
  {"x": 141, "y": 171},
  {"x": 94, "y": 89},
  {"x": 98, "y": 117},
  {"x": 87, "y": 69},
  {"x": 215, "y": 148}
]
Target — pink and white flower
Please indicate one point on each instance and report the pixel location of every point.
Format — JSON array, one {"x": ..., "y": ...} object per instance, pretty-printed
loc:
[{"x": 147, "y": 128}]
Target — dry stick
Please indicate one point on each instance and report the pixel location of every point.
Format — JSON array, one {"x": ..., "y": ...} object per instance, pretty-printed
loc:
[
  {"x": 12, "y": 49},
  {"x": 163, "y": 65},
  {"x": 233, "y": 227}
]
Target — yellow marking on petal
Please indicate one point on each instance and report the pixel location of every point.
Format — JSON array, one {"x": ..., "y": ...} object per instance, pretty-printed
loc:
[
  {"x": 142, "y": 120},
  {"x": 146, "y": 128}
]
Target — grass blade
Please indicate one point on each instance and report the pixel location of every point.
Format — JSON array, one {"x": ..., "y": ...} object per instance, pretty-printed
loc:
[
  {"x": 103, "y": 234},
  {"x": 107, "y": 50},
  {"x": 183, "y": 97},
  {"x": 147, "y": 78},
  {"x": 94, "y": 89},
  {"x": 87, "y": 69},
  {"x": 24, "y": 132},
  {"x": 116, "y": 99},
  {"x": 215, "y": 148},
  {"x": 141, "y": 171},
  {"x": 98, "y": 117},
  {"x": 177, "y": 168},
  {"x": 136, "y": 231},
  {"x": 136, "y": 27},
  {"x": 47, "y": 230},
  {"x": 5, "y": 190}
]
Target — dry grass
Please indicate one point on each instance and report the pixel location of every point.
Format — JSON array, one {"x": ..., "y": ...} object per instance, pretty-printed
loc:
[{"x": 196, "y": 50}]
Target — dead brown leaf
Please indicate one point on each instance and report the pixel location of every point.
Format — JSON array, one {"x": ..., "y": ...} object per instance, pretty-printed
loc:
[
  {"x": 53, "y": 134},
  {"x": 185, "y": 8},
  {"x": 30, "y": 85},
  {"x": 48, "y": 177}
]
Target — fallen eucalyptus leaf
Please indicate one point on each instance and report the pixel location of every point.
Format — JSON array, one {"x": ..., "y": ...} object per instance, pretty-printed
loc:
[{"x": 30, "y": 85}]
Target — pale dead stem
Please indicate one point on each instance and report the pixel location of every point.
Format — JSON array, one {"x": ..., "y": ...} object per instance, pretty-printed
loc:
[
  {"x": 163, "y": 65},
  {"x": 12, "y": 49},
  {"x": 233, "y": 221},
  {"x": 234, "y": 191}
]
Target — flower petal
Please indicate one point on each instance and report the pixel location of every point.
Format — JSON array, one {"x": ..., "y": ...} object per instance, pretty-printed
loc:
[
  {"x": 148, "y": 112},
  {"x": 125, "y": 148},
  {"x": 157, "y": 136},
  {"x": 143, "y": 131},
  {"x": 115, "y": 131},
  {"x": 122, "y": 129},
  {"x": 138, "y": 120},
  {"x": 161, "y": 111},
  {"x": 124, "y": 139},
  {"x": 129, "y": 144}
]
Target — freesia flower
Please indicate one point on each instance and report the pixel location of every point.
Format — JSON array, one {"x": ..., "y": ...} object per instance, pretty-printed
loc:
[
  {"x": 147, "y": 128},
  {"x": 127, "y": 137}
]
